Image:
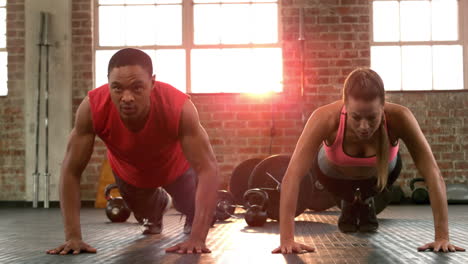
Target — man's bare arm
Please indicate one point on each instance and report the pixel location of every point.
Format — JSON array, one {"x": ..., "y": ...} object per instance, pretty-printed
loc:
[
  {"x": 198, "y": 151},
  {"x": 79, "y": 150}
]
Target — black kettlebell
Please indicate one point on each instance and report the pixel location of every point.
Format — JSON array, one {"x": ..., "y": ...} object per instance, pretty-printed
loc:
[
  {"x": 255, "y": 216},
  {"x": 419, "y": 194},
  {"x": 116, "y": 209},
  {"x": 256, "y": 196},
  {"x": 256, "y": 202}
]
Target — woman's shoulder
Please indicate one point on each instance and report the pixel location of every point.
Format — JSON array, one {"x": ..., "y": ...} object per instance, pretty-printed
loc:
[
  {"x": 397, "y": 117},
  {"x": 330, "y": 111},
  {"x": 329, "y": 115}
]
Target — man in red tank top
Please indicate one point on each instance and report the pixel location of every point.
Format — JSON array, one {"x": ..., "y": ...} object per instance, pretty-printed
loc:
[{"x": 155, "y": 145}]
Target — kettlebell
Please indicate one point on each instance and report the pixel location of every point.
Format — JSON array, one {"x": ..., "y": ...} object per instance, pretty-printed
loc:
[
  {"x": 256, "y": 202},
  {"x": 255, "y": 216},
  {"x": 116, "y": 209},
  {"x": 419, "y": 194},
  {"x": 256, "y": 196}
]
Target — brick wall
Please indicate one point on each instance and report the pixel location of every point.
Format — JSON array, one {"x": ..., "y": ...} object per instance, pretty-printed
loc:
[
  {"x": 12, "y": 128},
  {"x": 239, "y": 126},
  {"x": 444, "y": 121},
  {"x": 82, "y": 82},
  {"x": 337, "y": 41}
]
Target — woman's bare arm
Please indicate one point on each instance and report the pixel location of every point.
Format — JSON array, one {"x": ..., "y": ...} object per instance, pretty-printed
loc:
[{"x": 316, "y": 130}]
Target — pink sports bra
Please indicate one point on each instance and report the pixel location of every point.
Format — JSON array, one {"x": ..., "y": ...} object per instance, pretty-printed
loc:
[{"x": 336, "y": 154}]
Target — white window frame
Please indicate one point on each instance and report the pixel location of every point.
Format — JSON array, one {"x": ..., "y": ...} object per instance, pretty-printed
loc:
[
  {"x": 188, "y": 38},
  {"x": 5, "y": 49},
  {"x": 462, "y": 40}
]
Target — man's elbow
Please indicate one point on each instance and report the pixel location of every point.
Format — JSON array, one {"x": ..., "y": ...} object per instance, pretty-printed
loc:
[
  {"x": 214, "y": 170},
  {"x": 210, "y": 173}
]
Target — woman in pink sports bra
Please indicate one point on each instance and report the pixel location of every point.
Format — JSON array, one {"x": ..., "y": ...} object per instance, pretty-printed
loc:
[{"x": 352, "y": 147}]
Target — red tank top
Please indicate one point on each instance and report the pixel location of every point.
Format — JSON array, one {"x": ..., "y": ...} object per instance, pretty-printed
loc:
[{"x": 151, "y": 157}]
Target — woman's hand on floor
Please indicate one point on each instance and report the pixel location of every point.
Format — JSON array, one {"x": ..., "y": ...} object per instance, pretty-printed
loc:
[
  {"x": 75, "y": 246},
  {"x": 292, "y": 247},
  {"x": 190, "y": 246},
  {"x": 440, "y": 245}
]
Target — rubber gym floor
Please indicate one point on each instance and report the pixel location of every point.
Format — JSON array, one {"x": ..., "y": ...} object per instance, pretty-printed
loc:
[{"x": 26, "y": 233}]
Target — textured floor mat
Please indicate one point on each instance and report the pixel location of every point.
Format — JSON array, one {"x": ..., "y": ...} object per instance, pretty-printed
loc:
[{"x": 25, "y": 235}]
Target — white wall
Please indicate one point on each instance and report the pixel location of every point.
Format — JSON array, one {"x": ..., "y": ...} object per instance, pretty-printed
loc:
[{"x": 60, "y": 84}]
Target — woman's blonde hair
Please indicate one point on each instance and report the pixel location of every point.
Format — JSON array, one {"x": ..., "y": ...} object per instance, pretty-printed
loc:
[{"x": 365, "y": 84}]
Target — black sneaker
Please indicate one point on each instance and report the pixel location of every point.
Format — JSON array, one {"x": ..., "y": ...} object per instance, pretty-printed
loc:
[
  {"x": 152, "y": 228},
  {"x": 367, "y": 216},
  {"x": 348, "y": 220},
  {"x": 155, "y": 227}
]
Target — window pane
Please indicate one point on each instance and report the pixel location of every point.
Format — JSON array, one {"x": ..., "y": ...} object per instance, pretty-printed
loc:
[
  {"x": 386, "y": 21},
  {"x": 206, "y": 24},
  {"x": 111, "y": 2},
  {"x": 448, "y": 67},
  {"x": 2, "y": 27},
  {"x": 415, "y": 20},
  {"x": 102, "y": 62},
  {"x": 206, "y": 71},
  {"x": 140, "y": 25},
  {"x": 386, "y": 61},
  {"x": 3, "y": 73},
  {"x": 169, "y": 67},
  {"x": 264, "y": 25},
  {"x": 266, "y": 71},
  {"x": 417, "y": 67},
  {"x": 444, "y": 20},
  {"x": 235, "y": 24},
  {"x": 111, "y": 26},
  {"x": 168, "y": 25},
  {"x": 236, "y": 70},
  {"x": 2, "y": 2}
]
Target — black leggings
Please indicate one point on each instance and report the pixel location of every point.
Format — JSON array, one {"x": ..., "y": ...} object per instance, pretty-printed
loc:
[{"x": 344, "y": 189}]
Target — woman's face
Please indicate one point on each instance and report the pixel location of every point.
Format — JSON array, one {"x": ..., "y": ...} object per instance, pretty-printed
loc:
[{"x": 364, "y": 117}]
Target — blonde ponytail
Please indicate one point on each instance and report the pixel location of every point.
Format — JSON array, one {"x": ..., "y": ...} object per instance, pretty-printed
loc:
[{"x": 382, "y": 157}]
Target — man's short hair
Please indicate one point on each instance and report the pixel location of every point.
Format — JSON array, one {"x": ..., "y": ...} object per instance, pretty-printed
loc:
[{"x": 129, "y": 56}]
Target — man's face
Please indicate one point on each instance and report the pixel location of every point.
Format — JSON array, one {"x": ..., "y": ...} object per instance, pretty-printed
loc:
[
  {"x": 364, "y": 117},
  {"x": 130, "y": 89}
]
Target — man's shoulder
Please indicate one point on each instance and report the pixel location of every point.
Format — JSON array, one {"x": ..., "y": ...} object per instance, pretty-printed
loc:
[
  {"x": 163, "y": 88},
  {"x": 99, "y": 98},
  {"x": 99, "y": 93},
  {"x": 168, "y": 93}
]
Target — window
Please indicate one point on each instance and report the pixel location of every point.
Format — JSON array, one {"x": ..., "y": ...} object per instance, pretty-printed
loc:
[
  {"x": 418, "y": 45},
  {"x": 198, "y": 46},
  {"x": 3, "y": 52}
]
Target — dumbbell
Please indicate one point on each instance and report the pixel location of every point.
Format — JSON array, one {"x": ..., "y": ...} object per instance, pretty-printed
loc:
[
  {"x": 256, "y": 202},
  {"x": 116, "y": 209},
  {"x": 419, "y": 194},
  {"x": 225, "y": 207}
]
